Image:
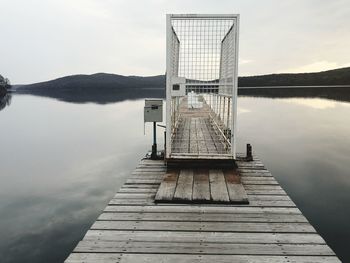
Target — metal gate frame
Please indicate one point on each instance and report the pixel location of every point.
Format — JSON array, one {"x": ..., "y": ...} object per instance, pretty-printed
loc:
[{"x": 170, "y": 69}]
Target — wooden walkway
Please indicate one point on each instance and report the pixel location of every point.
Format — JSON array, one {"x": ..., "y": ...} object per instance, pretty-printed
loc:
[
  {"x": 197, "y": 134},
  {"x": 133, "y": 228}
]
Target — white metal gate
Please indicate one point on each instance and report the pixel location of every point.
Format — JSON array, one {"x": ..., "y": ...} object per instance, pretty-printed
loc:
[{"x": 201, "y": 86}]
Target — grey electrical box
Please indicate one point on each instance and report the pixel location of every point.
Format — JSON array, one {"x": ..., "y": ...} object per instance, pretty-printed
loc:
[{"x": 153, "y": 111}]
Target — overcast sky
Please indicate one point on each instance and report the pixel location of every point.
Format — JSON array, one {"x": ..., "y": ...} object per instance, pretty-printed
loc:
[{"x": 42, "y": 40}]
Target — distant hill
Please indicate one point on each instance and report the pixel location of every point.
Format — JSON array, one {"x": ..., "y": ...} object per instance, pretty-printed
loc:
[
  {"x": 100, "y": 88},
  {"x": 106, "y": 88},
  {"x": 330, "y": 77}
]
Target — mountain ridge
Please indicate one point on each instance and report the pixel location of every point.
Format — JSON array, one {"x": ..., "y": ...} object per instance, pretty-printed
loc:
[
  {"x": 339, "y": 76},
  {"x": 107, "y": 87}
]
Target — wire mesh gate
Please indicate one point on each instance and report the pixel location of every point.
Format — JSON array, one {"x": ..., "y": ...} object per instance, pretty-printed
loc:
[{"x": 201, "y": 84}]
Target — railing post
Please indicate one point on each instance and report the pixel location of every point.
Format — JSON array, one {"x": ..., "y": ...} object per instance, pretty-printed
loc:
[
  {"x": 154, "y": 146},
  {"x": 249, "y": 156}
]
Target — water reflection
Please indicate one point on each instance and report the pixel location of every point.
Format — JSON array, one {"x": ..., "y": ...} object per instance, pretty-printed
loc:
[
  {"x": 60, "y": 165},
  {"x": 305, "y": 144},
  {"x": 5, "y": 101},
  {"x": 314, "y": 103},
  {"x": 112, "y": 95},
  {"x": 62, "y": 162},
  {"x": 333, "y": 93}
]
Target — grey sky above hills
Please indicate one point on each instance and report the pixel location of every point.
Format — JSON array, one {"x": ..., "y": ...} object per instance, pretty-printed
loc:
[{"x": 44, "y": 40}]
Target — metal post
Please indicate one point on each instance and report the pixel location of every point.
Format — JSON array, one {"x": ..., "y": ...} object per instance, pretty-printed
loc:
[
  {"x": 164, "y": 144},
  {"x": 154, "y": 146},
  {"x": 228, "y": 114},
  {"x": 223, "y": 110},
  {"x": 219, "y": 110},
  {"x": 169, "y": 70},
  {"x": 249, "y": 156}
]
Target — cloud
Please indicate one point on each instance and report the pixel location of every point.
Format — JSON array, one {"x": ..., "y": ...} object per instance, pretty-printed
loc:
[
  {"x": 89, "y": 8},
  {"x": 49, "y": 39},
  {"x": 245, "y": 61}
]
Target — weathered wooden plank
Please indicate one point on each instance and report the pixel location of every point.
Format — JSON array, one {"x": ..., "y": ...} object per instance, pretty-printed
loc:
[
  {"x": 246, "y": 181},
  {"x": 255, "y": 168},
  {"x": 250, "y": 196},
  {"x": 187, "y": 258},
  {"x": 235, "y": 189},
  {"x": 138, "y": 190},
  {"x": 207, "y": 137},
  {"x": 203, "y": 217},
  {"x": 147, "y": 176},
  {"x": 145, "y": 171},
  {"x": 237, "y": 193},
  {"x": 133, "y": 196},
  {"x": 144, "y": 181},
  {"x": 265, "y": 192},
  {"x": 150, "y": 201},
  {"x": 99, "y": 246},
  {"x": 154, "y": 169},
  {"x": 255, "y": 165},
  {"x": 193, "y": 137},
  {"x": 213, "y": 237},
  {"x": 202, "y": 209},
  {"x": 182, "y": 141},
  {"x": 218, "y": 189},
  {"x": 184, "y": 185},
  {"x": 202, "y": 145},
  {"x": 269, "y": 197},
  {"x": 149, "y": 161},
  {"x": 251, "y": 166},
  {"x": 167, "y": 188},
  {"x": 152, "y": 177},
  {"x": 262, "y": 187},
  {"x": 247, "y": 177},
  {"x": 254, "y": 171},
  {"x": 205, "y": 226},
  {"x": 150, "y": 186},
  {"x": 201, "y": 191}
]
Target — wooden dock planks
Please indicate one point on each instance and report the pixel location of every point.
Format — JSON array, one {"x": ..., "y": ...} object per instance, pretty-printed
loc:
[
  {"x": 203, "y": 186},
  {"x": 133, "y": 228},
  {"x": 218, "y": 187},
  {"x": 169, "y": 186},
  {"x": 235, "y": 189},
  {"x": 195, "y": 134},
  {"x": 183, "y": 190}
]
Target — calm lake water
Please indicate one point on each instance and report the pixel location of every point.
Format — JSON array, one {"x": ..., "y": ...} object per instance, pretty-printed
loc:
[{"x": 62, "y": 162}]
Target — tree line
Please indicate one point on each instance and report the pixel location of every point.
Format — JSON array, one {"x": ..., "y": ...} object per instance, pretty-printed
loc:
[{"x": 4, "y": 85}]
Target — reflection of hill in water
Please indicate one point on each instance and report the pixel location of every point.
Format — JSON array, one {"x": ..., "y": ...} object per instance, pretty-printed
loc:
[
  {"x": 102, "y": 96},
  {"x": 111, "y": 95},
  {"x": 5, "y": 101},
  {"x": 108, "y": 88},
  {"x": 334, "y": 93}
]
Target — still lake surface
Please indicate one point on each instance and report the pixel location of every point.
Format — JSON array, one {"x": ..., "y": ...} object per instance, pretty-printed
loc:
[{"x": 62, "y": 162}]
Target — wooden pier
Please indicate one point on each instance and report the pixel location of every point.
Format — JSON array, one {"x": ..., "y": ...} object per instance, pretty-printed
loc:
[{"x": 133, "y": 228}]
